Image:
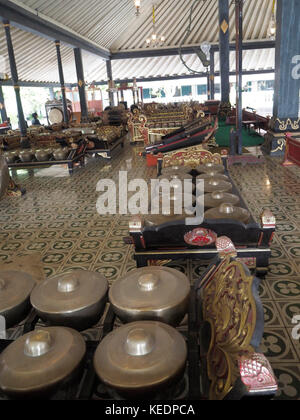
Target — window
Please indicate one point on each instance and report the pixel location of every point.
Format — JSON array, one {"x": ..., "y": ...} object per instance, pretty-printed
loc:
[
  {"x": 146, "y": 93},
  {"x": 186, "y": 90},
  {"x": 154, "y": 93},
  {"x": 217, "y": 88},
  {"x": 202, "y": 90},
  {"x": 266, "y": 85}
]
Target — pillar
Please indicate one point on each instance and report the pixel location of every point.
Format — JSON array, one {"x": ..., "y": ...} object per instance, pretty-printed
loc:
[
  {"x": 51, "y": 93},
  {"x": 212, "y": 75},
  {"x": 110, "y": 80},
  {"x": 224, "y": 50},
  {"x": 81, "y": 84},
  {"x": 2, "y": 106},
  {"x": 287, "y": 77},
  {"x": 239, "y": 75},
  {"x": 62, "y": 82},
  {"x": 15, "y": 80}
]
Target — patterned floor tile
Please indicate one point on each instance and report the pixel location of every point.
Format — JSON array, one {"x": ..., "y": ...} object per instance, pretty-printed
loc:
[
  {"x": 110, "y": 271},
  {"x": 264, "y": 292},
  {"x": 272, "y": 315},
  {"x": 288, "y": 376},
  {"x": 58, "y": 218},
  {"x": 281, "y": 269},
  {"x": 283, "y": 289},
  {"x": 288, "y": 310},
  {"x": 51, "y": 270},
  {"x": 277, "y": 346}
]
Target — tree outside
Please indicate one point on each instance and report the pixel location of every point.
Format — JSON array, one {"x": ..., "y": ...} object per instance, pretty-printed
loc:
[{"x": 33, "y": 100}]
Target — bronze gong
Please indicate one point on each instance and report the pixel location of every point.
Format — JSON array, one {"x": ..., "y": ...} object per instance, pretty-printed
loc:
[
  {"x": 217, "y": 198},
  {"x": 228, "y": 211}
]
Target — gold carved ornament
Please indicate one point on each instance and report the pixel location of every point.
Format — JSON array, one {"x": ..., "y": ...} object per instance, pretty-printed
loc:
[
  {"x": 230, "y": 309},
  {"x": 192, "y": 156},
  {"x": 281, "y": 144},
  {"x": 283, "y": 125}
]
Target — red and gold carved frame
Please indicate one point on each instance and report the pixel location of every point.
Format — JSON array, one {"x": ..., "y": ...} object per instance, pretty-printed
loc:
[
  {"x": 191, "y": 156},
  {"x": 229, "y": 306}
]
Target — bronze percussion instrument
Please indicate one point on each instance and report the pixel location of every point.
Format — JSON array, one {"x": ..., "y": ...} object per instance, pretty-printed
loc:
[
  {"x": 38, "y": 363},
  {"x": 43, "y": 155},
  {"x": 217, "y": 198},
  {"x": 209, "y": 167},
  {"x": 151, "y": 293},
  {"x": 15, "y": 290},
  {"x": 212, "y": 185},
  {"x": 213, "y": 175},
  {"x": 176, "y": 170},
  {"x": 177, "y": 201},
  {"x": 61, "y": 154},
  {"x": 10, "y": 157},
  {"x": 228, "y": 211},
  {"x": 173, "y": 176},
  {"x": 140, "y": 359},
  {"x": 75, "y": 299},
  {"x": 26, "y": 155},
  {"x": 175, "y": 187},
  {"x": 157, "y": 220}
]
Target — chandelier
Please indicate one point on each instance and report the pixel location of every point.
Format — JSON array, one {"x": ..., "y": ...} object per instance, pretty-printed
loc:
[
  {"x": 156, "y": 40},
  {"x": 137, "y": 4},
  {"x": 272, "y": 25}
]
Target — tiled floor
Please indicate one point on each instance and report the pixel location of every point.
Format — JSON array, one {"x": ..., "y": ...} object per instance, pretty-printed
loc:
[{"x": 57, "y": 219}]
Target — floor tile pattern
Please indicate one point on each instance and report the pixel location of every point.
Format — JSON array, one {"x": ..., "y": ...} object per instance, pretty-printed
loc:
[{"x": 57, "y": 219}]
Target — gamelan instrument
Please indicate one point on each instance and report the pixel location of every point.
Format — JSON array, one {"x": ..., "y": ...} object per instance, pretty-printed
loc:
[
  {"x": 38, "y": 363},
  {"x": 209, "y": 176},
  {"x": 140, "y": 359},
  {"x": 151, "y": 293},
  {"x": 192, "y": 139},
  {"x": 210, "y": 167},
  {"x": 217, "y": 198},
  {"x": 176, "y": 170},
  {"x": 75, "y": 299},
  {"x": 15, "y": 290},
  {"x": 212, "y": 185},
  {"x": 228, "y": 211}
]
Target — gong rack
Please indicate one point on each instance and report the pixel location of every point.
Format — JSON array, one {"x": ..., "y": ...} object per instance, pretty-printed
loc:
[{"x": 75, "y": 156}]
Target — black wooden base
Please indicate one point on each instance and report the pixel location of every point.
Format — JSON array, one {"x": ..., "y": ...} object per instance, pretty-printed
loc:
[
  {"x": 33, "y": 165},
  {"x": 258, "y": 258},
  {"x": 107, "y": 151}
]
